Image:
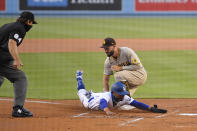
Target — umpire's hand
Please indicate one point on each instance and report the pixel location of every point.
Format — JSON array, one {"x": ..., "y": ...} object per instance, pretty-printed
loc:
[{"x": 17, "y": 64}]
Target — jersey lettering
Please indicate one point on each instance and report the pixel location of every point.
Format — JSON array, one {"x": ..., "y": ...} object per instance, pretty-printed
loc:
[{"x": 19, "y": 40}]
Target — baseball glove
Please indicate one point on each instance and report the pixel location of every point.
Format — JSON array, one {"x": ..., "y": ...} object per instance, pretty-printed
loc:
[{"x": 155, "y": 109}]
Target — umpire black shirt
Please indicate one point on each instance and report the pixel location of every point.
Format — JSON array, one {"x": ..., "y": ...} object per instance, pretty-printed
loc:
[{"x": 15, "y": 31}]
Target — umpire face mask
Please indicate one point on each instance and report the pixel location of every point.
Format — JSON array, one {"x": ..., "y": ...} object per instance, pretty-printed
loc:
[{"x": 27, "y": 27}]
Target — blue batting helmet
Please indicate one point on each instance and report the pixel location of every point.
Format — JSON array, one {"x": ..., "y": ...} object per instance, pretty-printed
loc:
[{"x": 119, "y": 88}]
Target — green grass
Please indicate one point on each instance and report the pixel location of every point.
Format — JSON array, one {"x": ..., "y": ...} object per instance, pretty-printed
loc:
[
  {"x": 156, "y": 27},
  {"x": 171, "y": 74}
]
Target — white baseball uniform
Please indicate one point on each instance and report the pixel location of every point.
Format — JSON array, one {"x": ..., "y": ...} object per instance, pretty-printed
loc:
[{"x": 93, "y": 102}]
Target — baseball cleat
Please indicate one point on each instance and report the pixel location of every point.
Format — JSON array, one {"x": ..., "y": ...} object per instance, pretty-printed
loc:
[
  {"x": 20, "y": 111},
  {"x": 79, "y": 74}
]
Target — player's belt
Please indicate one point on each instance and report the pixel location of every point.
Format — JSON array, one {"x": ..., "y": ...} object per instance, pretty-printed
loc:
[{"x": 90, "y": 99}]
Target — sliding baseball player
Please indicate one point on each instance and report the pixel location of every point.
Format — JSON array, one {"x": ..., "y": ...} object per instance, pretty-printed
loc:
[{"x": 117, "y": 97}]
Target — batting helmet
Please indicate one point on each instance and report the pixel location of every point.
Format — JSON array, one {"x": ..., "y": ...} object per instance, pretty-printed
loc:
[{"x": 119, "y": 88}]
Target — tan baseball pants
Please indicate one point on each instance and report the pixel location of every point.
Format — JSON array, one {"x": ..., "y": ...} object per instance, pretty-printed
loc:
[{"x": 132, "y": 79}]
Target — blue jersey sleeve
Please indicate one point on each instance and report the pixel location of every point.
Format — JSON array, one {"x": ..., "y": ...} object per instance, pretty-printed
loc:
[
  {"x": 103, "y": 104},
  {"x": 139, "y": 105}
]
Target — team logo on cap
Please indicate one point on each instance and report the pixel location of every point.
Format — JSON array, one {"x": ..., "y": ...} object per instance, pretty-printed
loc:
[
  {"x": 124, "y": 88},
  {"x": 104, "y": 42}
]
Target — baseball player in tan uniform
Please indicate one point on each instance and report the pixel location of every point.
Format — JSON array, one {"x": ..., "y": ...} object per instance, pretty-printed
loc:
[{"x": 124, "y": 63}]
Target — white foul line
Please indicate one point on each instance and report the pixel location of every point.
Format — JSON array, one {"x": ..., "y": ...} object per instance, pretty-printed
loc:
[
  {"x": 188, "y": 114},
  {"x": 167, "y": 114},
  {"x": 138, "y": 119},
  {"x": 130, "y": 121},
  {"x": 79, "y": 115},
  {"x": 43, "y": 102}
]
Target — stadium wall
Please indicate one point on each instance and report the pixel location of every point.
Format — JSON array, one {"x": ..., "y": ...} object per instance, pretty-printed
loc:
[{"x": 100, "y": 7}]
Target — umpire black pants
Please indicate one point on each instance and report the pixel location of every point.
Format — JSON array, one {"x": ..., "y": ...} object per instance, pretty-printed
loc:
[{"x": 15, "y": 76}]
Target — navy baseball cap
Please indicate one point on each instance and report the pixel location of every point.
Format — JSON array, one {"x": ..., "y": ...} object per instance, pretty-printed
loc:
[
  {"x": 28, "y": 15},
  {"x": 119, "y": 88},
  {"x": 108, "y": 42}
]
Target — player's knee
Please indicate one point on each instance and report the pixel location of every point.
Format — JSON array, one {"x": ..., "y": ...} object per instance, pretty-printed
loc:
[
  {"x": 119, "y": 77},
  {"x": 85, "y": 104},
  {"x": 20, "y": 77},
  {"x": 82, "y": 92}
]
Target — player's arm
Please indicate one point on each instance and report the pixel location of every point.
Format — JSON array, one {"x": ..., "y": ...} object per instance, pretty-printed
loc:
[
  {"x": 106, "y": 82},
  {"x": 106, "y": 76},
  {"x": 140, "y": 105},
  {"x": 135, "y": 61},
  {"x": 12, "y": 47},
  {"x": 143, "y": 106},
  {"x": 104, "y": 107}
]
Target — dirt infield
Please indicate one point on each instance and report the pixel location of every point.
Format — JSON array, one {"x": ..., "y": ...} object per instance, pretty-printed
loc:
[
  {"x": 92, "y": 45},
  {"x": 69, "y": 115}
]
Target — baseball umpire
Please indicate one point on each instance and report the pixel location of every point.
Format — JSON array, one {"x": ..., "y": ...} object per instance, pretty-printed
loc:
[
  {"x": 126, "y": 65},
  {"x": 11, "y": 36}
]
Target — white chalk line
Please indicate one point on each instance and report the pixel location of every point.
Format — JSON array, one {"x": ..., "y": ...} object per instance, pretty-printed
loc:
[
  {"x": 187, "y": 114},
  {"x": 131, "y": 121},
  {"x": 185, "y": 126},
  {"x": 82, "y": 114},
  {"x": 167, "y": 114},
  {"x": 138, "y": 119},
  {"x": 30, "y": 101}
]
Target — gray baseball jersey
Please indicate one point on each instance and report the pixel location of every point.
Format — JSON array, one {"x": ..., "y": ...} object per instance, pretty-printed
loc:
[{"x": 127, "y": 58}]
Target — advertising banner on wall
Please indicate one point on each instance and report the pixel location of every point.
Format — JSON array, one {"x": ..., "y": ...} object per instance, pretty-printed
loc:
[
  {"x": 2, "y": 5},
  {"x": 165, "y": 5},
  {"x": 106, "y": 5}
]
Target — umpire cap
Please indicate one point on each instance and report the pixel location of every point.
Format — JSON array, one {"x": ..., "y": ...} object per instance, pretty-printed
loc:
[
  {"x": 108, "y": 42},
  {"x": 28, "y": 15},
  {"x": 119, "y": 88}
]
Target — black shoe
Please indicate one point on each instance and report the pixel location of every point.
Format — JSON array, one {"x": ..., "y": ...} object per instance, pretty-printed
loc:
[{"x": 20, "y": 111}]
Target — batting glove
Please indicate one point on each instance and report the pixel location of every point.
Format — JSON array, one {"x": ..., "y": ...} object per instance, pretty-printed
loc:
[{"x": 155, "y": 109}]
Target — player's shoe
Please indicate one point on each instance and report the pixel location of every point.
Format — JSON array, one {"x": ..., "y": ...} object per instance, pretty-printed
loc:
[
  {"x": 20, "y": 111},
  {"x": 79, "y": 74}
]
